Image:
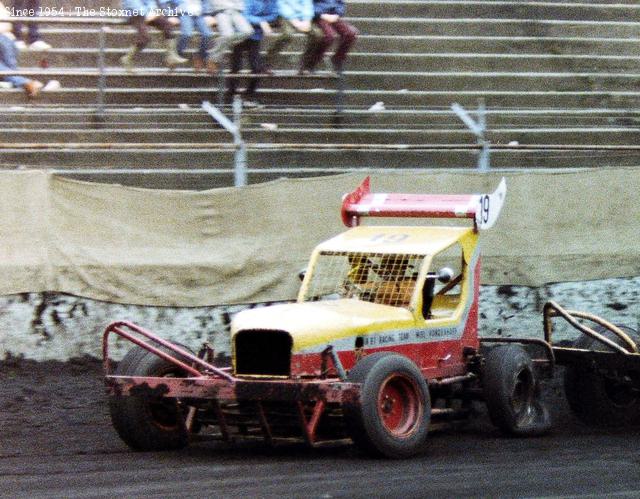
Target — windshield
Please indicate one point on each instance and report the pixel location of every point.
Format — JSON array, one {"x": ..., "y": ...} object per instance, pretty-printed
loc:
[{"x": 388, "y": 279}]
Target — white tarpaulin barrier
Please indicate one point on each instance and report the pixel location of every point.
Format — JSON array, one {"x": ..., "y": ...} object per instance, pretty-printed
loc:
[{"x": 154, "y": 247}]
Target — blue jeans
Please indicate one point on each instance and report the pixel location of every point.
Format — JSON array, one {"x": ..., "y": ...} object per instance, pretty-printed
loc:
[
  {"x": 34, "y": 36},
  {"x": 9, "y": 61},
  {"x": 186, "y": 30}
]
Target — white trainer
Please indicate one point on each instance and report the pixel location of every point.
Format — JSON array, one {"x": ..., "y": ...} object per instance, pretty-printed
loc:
[
  {"x": 51, "y": 86},
  {"x": 39, "y": 45}
]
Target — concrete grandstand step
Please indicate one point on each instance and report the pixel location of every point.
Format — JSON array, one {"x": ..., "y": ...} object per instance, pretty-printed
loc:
[
  {"x": 114, "y": 136},
  {"x": 523, "y": 81},
  {"x": 503, "y": 9},
  {"x": 326, "y": 159},
  {"x": 170, "y": 178},
  {"x": 445, "y": 118},
  {"x": 521, "y": 135},
  {"x": 39, "y": 116},
  {"x": 406, "y": 27},
  {"x": 482, "y": 44},
  {"x": 208, "y": 156},
  {"x": 471, "y": 26},
  {"x": 84, "y": 41},
  {"x": 182, "y": 77},
  {"x": 284, "y": 137},
  {"x": 571, "y": 99},
  {"x": 375, "y": 61},
  {"x": 490, "y": 63}
]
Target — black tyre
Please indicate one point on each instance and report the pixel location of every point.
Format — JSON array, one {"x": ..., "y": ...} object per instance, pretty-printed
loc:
[
  {"x": 602, "y": 398},
  {"x": 511, "y": 392},
  {"x": 146, "y": 423},
  {"x": 391, "y": 419}
]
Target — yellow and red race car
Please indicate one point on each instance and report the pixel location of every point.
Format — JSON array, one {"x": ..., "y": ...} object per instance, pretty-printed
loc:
[{"x": 381, "y": 345}]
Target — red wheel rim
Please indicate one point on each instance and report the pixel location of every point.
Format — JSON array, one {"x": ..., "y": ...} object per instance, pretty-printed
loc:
[{"x": 399, "y": 405}]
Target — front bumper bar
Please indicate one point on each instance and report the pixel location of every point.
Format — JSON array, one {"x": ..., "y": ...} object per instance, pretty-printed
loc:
[{"x": 330, "y": 390}]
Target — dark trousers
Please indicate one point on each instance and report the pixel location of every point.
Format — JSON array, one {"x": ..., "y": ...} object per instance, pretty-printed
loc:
[
  {"x": 252, "y": 49},
  {"x": 323, "y": 36},
  {"x": 34, "y": 5},
  {"x": 142, "y": 27}
]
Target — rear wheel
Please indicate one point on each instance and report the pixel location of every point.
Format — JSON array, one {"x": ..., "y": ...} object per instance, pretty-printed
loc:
[
  {"x": 148, "y": 423},
  {"x": 391, "y": 419},
  {"x": 603, "y": 398},
  {"x": 511, "y": 392}
]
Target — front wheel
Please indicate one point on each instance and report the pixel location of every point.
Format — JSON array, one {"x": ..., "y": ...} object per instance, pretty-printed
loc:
[
  {"x": 511, "y": 392},
  {"x": 391, "y": 418},
  {"x": 145, "y": 423}
]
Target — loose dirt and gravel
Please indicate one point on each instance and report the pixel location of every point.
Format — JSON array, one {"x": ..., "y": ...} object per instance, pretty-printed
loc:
[{"x": 57, "y": 441}]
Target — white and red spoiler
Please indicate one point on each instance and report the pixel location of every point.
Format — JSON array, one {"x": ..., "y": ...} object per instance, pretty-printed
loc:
[{"x": 484, "y": 209}]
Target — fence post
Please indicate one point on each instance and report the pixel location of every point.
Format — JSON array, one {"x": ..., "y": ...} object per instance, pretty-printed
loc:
[
  {"x": 221, "y": 84},
  {"x": 479, "y": 129},
  {"x": 240, "y": 170},
  {"x": 233, "y": 127},
  {"x": 102, "y": 79},
  {"x": 483, "y": 159},
  {"x": 338, "y": 116},
  {"x": 342, "y": 83}
]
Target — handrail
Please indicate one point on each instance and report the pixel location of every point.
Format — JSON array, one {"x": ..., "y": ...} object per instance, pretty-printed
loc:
[{"x": 551, "y": 309}]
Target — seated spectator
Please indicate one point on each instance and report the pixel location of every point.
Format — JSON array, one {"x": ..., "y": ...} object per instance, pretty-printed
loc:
[
  {"x": 9, "y": 60},
  {"x": 192, "y": 15},
  {"x": 233, "y": 27},
  {"x": 207, "y": 12},
  {"x": 328, "y": 26},
  {"x": 294, "y": 16},
  {"x": 149, "y": 15},
  {"x": 260, "y": 13},
  {"x": 33, "y": 38}
]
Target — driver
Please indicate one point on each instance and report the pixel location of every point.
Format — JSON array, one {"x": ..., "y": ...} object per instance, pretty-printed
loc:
[{"x": 397, "y": 287}]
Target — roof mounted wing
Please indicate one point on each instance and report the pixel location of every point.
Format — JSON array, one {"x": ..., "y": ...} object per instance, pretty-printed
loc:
[{"x": 484, "y": 209}]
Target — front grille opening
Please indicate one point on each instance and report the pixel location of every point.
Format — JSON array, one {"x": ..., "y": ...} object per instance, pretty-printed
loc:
[{"x": 263, "y": 352}]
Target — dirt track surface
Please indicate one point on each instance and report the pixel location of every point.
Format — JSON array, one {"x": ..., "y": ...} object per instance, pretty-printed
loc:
[{"x": 57, "y": 441}]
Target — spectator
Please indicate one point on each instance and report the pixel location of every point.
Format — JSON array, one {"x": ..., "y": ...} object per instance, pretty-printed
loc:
[
  {"x": 260, "y": 13},
  {"x": 328, "y": 26},
  {"x": 294, "y": 17},
  {"x": 149, "y": 15},
  {"x": 33, "y": 38},
  {"x": 207, "y": 12},
  {"x": 9, "y": 62},
  {"x": 192, "y": 15},
  {"x": 233, "y": 27}
]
